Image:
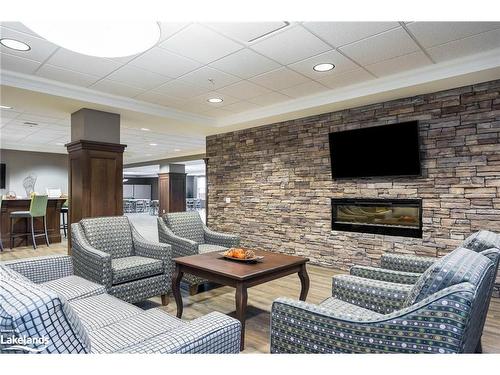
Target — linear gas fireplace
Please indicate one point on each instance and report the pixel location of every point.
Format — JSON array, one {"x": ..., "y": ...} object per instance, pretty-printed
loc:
[{"x": 394, "y": 217}]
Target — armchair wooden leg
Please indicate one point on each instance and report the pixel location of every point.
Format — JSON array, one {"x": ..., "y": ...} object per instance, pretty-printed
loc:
[
  {"x": 193, "y": 289},
  {"x": 164, "y": 299}
]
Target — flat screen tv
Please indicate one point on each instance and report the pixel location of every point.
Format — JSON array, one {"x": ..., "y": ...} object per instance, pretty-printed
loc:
[
  {"x": 388, "y": 150},
  {"x": 2, "y": 176}
]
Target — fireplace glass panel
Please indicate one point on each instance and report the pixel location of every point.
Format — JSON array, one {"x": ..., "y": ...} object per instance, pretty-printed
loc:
[{"x": 379, "y": 215}]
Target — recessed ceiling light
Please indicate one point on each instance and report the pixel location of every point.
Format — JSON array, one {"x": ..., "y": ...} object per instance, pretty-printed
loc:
[
  {"x": 60, "y": 144},
  {"x": 101, "y": 38},
  {"x": 323, "y": 67},
  {"x": 215, "y": 100},
  {"x": 153, "y": 144},
  {"x": 145, "y": 129},
  {"x": 5, "y": 107},
  {"x": 176, "y": 149},
  {"x": 14, "y": 44}
]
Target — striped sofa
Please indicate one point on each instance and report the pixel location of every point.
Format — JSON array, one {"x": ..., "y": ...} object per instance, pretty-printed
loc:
[
  {"x": 442, "y": 312},
  {"x": 45, "y": 308}
]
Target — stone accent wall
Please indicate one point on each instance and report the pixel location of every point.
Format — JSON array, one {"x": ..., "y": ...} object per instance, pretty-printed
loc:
[{"x": 279, "y": 180}]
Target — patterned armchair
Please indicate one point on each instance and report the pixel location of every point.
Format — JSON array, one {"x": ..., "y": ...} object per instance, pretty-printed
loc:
[
  {"x": 109, "y": 251},
  {"x": 187, "y": 235},
  {"x": 443, "y": 312},
  {"x": 406, "y": 269}
]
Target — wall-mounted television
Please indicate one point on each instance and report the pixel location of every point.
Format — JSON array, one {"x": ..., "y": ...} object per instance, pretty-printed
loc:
[
  {"x": 387, "y": 150},
  {"x": 2, "y": 175}
]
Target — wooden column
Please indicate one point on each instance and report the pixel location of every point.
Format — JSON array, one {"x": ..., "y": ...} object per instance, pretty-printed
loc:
[
  {"x": 172, "y": 192},
  {"x": 95, "y": 180}
]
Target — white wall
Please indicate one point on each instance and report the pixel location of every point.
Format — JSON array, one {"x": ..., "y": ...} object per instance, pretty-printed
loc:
[{"x": 51, "y": 170}]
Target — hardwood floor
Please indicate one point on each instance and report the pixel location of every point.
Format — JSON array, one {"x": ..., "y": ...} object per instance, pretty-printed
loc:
[{"x": 259, "y": 301}]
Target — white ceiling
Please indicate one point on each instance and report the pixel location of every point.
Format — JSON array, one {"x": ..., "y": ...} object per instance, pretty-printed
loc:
[
  {"x": 171, "y": 80},
  {"x": 192, "y": 168}
]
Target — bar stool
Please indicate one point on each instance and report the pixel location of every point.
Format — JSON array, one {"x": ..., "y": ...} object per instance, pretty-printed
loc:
[
  {"x": 64, "y": 212},
  {"x": 38, "y": 208}
]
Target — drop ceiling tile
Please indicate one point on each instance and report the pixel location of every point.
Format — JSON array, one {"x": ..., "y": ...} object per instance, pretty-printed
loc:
[
  {"x": 116, "y": 88},
  {"x": 342, "y": 64},
  {"x": 77, "y": 62},
  {"x": 467, "y": 46},
  {"x": 201, "y": 78},
  {"x": 18, "y": 26},
  {"x": 138, "y": 77},
  {"x": 200, "y": 43},
  {"x": 241, "y": 106},
  {"x": 40, "y": 48},
  {"x": 279, "y": 79},
  {"x": 245, "y": 64},
  {"x": 431, "y": 34},
  {"x": 18, "y": 64},
  {"x": 399, "y": 64},
  {"x": 166, "y": 63},
  {"x": 216, "y": 112},
  {"x": 160, "y": 99},
  {"x": 268, "y": 99},
  {"x": 342, "y": 33},
  {"x": 66, "y": 76},
  {"x": 180, "y": 89},
  {"x": 291, "y": 45},
  {"x": 244, "y": 90},
  {"x": 170, "y": 28},
  {"x": 304, "y": 89},
  {"x": 346, "y": 79},
  {"x": 246, "y": 31},
  {"x": 387, "y": 45}
]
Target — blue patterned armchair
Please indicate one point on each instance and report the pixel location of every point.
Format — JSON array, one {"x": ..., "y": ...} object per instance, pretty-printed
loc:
[
  {"x": 187, "y": 235},
  {"x": 443, "y": 312},
  {"x": 109, "y": 251}
]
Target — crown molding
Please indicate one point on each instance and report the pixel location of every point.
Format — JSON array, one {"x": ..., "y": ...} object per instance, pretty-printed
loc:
[
  {"x": 435, "y": 77},
  {"x": 47, "y": 86}
]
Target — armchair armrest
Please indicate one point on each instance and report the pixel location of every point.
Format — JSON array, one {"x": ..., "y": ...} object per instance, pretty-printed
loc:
[
  {"x": 300, "y": 327},
  {"x": 383, "y": 274},
  {"x": 90, "y": 263},
  {"x": 221, "y": 239},
  {"x": 180, "y": 246},
  {"x": 380, "y": 296},
  {"x": 406, "y": 262},
  {"x": 214, "y": 333},
  {"x": 155, "y": 250},
  {"x": 42, "y": 269}
]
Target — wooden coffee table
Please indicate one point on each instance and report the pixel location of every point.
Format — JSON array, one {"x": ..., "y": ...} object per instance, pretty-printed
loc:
[{"x": 213, "y": 267}]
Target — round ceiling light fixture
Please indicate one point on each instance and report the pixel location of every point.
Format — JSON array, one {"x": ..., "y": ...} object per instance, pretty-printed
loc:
[
  {"x": 100, "y": 38},
  {"x": 14, "y": 44},
  {"x": 323, "y": 67},
  {"x": 215, "y": 100}
]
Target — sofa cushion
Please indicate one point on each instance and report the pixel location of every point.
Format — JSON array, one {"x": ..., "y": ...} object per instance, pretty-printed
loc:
[
  {"x": 348, "y": 310},
  {"x": 74, "y": 287},
  {"x": 134, "y": 268},
  {"x": 34, "y": 311},
  {"x": 461, "y": 265},
  {"x": 481, "y": 241},
  {"x": 112, "y": 235},
  {"x": 133, "y": 330},
  {"x": 102, "y": 310},
  {"x": 206, "y": 248},
  {"x": 186, "y": 225},
  {"x": 6, "y": 272}
]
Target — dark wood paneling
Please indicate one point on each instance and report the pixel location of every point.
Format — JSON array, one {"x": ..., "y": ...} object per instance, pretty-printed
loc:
[
  {"x": 172, "y": 192},
  {"x": 53, "y": 221},
  {"x": 95, "y": 180}
]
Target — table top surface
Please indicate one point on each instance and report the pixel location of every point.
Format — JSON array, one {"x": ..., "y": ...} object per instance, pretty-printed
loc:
[{"x": 217, "y": 264}]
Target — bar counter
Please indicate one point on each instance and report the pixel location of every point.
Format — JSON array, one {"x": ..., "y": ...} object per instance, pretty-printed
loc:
[{"x": 23, "y": 204}]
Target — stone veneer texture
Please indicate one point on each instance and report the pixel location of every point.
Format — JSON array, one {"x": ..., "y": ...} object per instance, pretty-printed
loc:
[{"x": 279, "y": 179}]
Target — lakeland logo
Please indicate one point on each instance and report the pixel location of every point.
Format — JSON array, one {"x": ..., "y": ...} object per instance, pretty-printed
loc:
[{"x": 11, "y": 342}]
